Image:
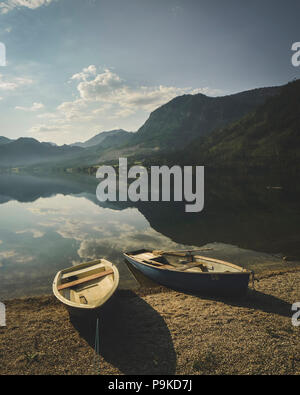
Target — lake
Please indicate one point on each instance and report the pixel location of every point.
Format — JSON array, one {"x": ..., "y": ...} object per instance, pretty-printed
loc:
[{"x": 49, "y": 222}]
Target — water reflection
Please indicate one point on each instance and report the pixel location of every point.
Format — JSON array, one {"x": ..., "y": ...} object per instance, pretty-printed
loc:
[
  {"x": 41, "y": 235},
  {"x": 50, "y": 222}
]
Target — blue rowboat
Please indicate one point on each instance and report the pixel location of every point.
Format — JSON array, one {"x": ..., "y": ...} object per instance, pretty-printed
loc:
[{"x": 186, "y": 271}]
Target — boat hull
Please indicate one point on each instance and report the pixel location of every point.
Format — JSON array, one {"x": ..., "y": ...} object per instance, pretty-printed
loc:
[
  {"x": 77, "y": 312},
  {"x": 197, "y": 283},
  {"x": 97, "y": 290}
]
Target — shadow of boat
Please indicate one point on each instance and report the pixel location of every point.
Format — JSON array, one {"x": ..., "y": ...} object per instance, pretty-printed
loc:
[
  {"x": 258, "y": 301},
  {"x": 133, "y": 337}
]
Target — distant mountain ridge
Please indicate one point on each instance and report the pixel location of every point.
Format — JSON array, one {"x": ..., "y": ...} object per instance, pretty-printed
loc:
[
  {"x": 189, "y": 128},
  {"x": 4, "y": 140},
  {"x": 27, "y": 151},
  {"x": 268, "y": 136},
  {"x": 174, "y": 125},
  {"x": 100, "y": 137},
  {"x": 178, "y": 122}
]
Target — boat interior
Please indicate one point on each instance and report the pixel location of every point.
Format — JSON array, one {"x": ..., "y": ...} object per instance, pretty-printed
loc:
[
  {"x": 183, "y": 261},
  {"x": 86, "y": 284}
]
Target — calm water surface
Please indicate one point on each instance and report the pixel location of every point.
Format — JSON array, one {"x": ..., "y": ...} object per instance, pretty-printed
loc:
[{"x": 51, "y": 222}]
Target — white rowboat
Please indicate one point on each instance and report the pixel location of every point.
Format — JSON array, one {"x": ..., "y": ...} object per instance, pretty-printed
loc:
[{"x": 86, "y": 287}]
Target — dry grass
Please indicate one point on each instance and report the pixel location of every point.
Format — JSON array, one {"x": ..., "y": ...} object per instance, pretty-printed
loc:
[{"x": 159, "y": 332}]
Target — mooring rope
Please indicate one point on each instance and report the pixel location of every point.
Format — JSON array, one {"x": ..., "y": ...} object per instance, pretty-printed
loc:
[{"x": 97, "y": 348}]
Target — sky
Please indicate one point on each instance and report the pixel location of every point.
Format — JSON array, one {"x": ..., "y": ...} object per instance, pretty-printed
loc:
[{"x": 75, "y": 68}]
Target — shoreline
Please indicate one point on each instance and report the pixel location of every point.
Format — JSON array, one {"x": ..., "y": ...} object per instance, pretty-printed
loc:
[
  {"x": 150, "y": 287},
  {"x": 159, "y": 331}
]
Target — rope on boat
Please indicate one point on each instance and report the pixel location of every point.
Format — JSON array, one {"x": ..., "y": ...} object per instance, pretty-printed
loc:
[{"x": 97, "y": 348}]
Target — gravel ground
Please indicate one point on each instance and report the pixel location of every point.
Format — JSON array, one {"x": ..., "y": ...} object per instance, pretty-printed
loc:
[{"x": 159, "y": 332}]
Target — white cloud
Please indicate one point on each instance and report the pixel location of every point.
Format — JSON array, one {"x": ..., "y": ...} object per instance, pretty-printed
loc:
[
  {"x": 36, "y": 234},
  {"x": 72, "y": 109},
  {"x": 42, "y": 128},
  {"x": 46, "y": 115},
  {"x": 102, "y": 87},
  {"x": 34, "y": 107},
  {"x": 15, "y": 257},
  {"x": 103, "y": 97},
  {"x": 125, "y": 238},
  {"x": 110, "y": 88},
  {"x": 7, "y": 254},
  {"x": 104, "y": 107},
  {"x": 11, "y": 85},
  {"x": 85, "y": 73},
  {"x": 9, "y": 5},
  {"x": 123, "y": 113}
]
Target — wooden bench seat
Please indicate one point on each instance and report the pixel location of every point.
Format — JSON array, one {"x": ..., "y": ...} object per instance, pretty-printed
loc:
[{"x": 84, "y": 279}]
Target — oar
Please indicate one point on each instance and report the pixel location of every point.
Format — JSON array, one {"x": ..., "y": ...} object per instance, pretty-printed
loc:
[{"x": 179, "y": 253}]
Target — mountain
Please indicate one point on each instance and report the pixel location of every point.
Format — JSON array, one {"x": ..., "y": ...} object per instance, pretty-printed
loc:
[
  {"x": 100, "y": 137},
  {"x": 189, "y": 127},
  {"x": 114, "y": 140},
  {"x": 4, "y": 140},
  {"x": 28, "y": 151},
  {"x": 49, "y": 142},
  {"x": 187, "y": 117},
  {"x": 110, "y": 142},
  {"x": 269, "y": 136},
  {"x": 172, "y": 126}
]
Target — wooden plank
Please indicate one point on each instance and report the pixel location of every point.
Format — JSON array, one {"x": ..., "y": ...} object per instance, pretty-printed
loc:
[
  {"x": 152, "y": 262},
  {"x": 145, "y": 256},
  {"x": 85, "y": 279},
  {"x": 169, "y": 267},
  {"x": 195, "y": 264},
  {"x": 156, "y": 264},
  {"x": 179, "y": 252},
  {"x": 159, "y": 265},
  {"x": 205, "y": 258},
  {"x": 82, "y": 271}
]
